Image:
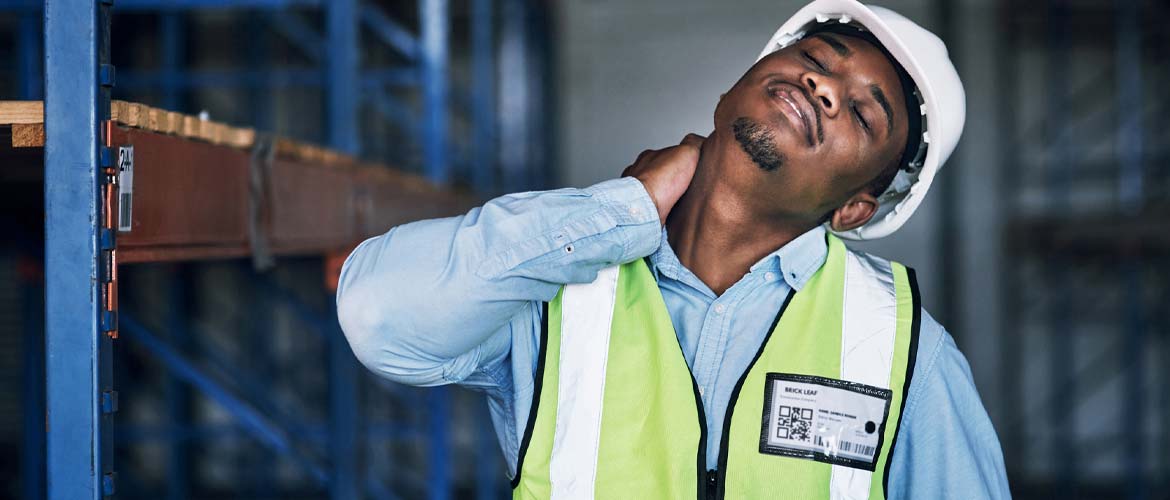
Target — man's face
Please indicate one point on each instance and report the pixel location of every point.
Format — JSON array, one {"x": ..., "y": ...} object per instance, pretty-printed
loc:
[{"x": 818, "y": 119}]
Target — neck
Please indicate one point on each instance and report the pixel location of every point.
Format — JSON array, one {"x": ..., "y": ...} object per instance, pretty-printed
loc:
[{"x": 716, "y": 230}]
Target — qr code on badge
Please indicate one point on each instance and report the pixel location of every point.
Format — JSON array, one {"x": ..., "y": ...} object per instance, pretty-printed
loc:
[{"x": 794, "y": 422}]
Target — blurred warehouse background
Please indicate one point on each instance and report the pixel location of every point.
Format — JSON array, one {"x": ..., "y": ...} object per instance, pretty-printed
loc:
[{"x": 1043, "y": 246}]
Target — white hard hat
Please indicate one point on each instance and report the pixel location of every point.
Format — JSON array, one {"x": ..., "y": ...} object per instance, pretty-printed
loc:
[{"x": 943, "y": 102}]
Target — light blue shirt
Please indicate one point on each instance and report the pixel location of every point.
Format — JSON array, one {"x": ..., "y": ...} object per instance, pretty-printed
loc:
[{"x": 458, "y": 301}]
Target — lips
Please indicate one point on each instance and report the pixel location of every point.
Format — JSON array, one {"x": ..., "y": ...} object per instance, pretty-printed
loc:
[{"x": 792, "y": 103}]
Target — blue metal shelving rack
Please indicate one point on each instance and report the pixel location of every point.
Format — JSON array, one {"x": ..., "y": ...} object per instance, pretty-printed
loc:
[
  {"x": 76, "y": 82},
  {"x": 79, "y": 397},
  {"x": 1082, "y": 296}
]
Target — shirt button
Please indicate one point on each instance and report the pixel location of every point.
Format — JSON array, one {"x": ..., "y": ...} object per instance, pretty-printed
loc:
[
  {"x": 568, "y": 248},
  {"x": 719, "y": 308},
  {"x": 635, "y": 211},
  {"x": 769, "y": 276}
]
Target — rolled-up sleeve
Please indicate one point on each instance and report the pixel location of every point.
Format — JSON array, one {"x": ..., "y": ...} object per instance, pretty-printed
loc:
[
  {"x": 946, "y": 447},
  {"x": 429, "y": 303}
]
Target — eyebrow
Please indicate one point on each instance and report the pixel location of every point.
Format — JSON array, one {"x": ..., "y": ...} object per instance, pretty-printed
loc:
[
  {"x": 881, "y": 99},
  {"x": 833, "y": 42}
]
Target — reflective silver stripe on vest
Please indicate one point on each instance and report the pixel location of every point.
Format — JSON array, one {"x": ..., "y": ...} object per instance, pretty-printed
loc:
[
  {"x": 586, "y": 321},
  {"x": 869, "y": 328},
  {"x": 869, "y": 324}
]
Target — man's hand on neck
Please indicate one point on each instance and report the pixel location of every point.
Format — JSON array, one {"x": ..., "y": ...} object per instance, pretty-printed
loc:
[
  {"x": 667, "y": 172},
  {"x": 716, "y": 231}
]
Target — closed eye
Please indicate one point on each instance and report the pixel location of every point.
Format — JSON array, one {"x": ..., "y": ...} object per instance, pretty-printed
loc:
[
  {"x": 860, "y": 118},
  {"x": 816, "y": 62}
]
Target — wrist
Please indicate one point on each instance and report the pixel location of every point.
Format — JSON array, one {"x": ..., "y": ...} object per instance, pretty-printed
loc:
[{"x": 662, "y": 211}]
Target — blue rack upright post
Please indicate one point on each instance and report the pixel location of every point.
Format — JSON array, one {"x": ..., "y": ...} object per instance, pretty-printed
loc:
[{"x": 77, "y": 253}]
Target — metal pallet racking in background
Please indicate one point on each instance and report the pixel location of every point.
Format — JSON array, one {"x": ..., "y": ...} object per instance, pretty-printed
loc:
[
  {"x": 1085, "y": 347},
  {"x": 326, "y": 447}
]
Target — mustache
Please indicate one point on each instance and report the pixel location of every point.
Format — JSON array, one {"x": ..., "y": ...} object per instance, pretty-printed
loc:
[
  {"x": 758, "y": 143},
  {"x": 812, "y": 103},
  {"x": 815, "y": 105}
]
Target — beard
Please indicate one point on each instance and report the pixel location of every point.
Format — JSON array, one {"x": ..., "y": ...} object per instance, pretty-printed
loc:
[{"x": 757, "y": 142}]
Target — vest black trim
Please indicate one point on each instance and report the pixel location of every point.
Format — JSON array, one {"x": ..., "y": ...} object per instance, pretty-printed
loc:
[
  {"x": 536, "y": 387},
  {"x": 701, "y": 456},
  {"x": 911, "y": 359},
  {"x": 723, "y": 440}
]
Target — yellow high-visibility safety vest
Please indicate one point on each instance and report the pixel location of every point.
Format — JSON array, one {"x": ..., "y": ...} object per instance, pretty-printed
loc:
[{"x": 617, "y": 414}]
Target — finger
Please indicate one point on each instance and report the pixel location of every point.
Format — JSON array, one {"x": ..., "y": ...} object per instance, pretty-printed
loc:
[
  {"x": 695, "y": 140},
  {"x": 642, "y": 155}
]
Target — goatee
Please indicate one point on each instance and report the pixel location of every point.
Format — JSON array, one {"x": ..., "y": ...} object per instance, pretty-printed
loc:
[{"x": 757, "y": 142}]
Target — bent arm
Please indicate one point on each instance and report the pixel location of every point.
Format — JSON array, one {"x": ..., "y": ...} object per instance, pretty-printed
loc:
[{"x": 427, "y": 302}]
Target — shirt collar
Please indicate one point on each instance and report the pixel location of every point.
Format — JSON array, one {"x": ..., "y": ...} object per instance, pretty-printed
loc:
[{"x": 797, "y": 261}]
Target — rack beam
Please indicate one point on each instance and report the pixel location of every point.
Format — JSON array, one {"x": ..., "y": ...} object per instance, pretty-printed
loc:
[{"x": 195, "y": 199}]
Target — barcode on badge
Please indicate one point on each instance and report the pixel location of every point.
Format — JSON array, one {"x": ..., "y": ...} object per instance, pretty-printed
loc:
[{"x": 844, "y": 447}]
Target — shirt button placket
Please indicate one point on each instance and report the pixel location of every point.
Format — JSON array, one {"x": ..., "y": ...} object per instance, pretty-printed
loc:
[
  {"x": 705, "y": 356},
  {"x": 716, "y": 323}
]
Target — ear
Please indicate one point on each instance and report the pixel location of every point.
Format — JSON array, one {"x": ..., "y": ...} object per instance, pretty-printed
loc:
[{"x": 854, "y": 213}]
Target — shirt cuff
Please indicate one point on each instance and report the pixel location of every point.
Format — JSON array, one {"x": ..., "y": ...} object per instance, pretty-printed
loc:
[{"x": 625, "y": 200}]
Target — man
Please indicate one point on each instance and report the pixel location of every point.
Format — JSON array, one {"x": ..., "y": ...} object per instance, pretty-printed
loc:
[{"x": 697, "y": 328}]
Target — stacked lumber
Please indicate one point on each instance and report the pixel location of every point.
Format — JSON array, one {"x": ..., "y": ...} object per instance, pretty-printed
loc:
[
  {"x": 28, "y": 130},
  {"x": 27, "y": 120}
]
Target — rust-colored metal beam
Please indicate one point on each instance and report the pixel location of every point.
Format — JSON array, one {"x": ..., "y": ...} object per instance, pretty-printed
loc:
[{"x": 192, "y": 199}]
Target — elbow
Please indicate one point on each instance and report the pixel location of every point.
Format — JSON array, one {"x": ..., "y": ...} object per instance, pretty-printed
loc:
[
  {"x": 363, "y": 310},
  {"x": 378, "y": 343},
  {"x": 364, "y": 324}
]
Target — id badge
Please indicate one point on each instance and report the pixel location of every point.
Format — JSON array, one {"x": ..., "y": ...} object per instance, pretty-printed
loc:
[{"x": 823, "y": 419}]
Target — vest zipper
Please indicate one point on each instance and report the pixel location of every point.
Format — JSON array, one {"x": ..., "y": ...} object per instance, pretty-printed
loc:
[{"x": 712, "y": 483}]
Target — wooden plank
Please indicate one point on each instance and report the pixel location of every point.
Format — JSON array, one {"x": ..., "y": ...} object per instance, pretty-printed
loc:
[
  {"x": 241, "y": 138},
  {"x": 138, "y": 115},
  {"x": 13, "y": 112},
  {"x": 174, "y": 123},
  {"x": 156, "y": 120},
  {"x": 207, "y": 132},
  {"x": 190, "y": 128},
  {"x": 28, "y": 135},
  {"x": 119, "y": 110},
  {"x": 131, "y": 114}
]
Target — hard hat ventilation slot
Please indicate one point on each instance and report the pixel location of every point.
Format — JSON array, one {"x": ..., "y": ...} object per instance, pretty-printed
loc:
[{"x": 787, "y": 39}]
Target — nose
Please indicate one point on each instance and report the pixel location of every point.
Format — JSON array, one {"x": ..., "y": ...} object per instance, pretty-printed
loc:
[{"x": 825, "y": 90}]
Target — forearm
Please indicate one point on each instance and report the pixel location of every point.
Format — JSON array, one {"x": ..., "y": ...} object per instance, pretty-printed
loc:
[{"x": 426, "y": 297}]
